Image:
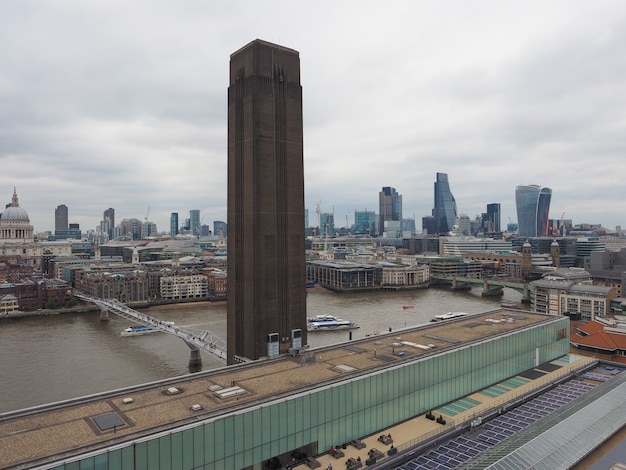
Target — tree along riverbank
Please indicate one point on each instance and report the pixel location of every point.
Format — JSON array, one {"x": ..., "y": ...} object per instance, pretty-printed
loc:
[{"x": 85, "y": 307}]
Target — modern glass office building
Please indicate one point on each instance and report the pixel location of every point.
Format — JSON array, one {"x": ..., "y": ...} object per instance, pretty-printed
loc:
[
  {"x": 249, "y": 432},
  {"x": 194, "y": 222},
  {"x": 445, "y": 205},
  {"x": 365, "y": 222},
  {"x": 390, "y": 206},
  {"x": 174, "y": 224},
  {"x": 533, "y": 207},
  {"x": 493, "y": 217}
]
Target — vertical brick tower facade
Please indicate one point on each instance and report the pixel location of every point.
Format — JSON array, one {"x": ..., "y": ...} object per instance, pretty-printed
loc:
[{"x": 266, "y": 264}]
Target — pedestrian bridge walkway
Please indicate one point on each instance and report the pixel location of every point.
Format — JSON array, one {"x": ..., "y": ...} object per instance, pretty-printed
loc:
[{"x": 194, "y": 338}]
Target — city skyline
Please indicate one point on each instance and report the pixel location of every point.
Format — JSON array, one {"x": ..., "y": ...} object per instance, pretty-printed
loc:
[{"x": 496, "y": 95}]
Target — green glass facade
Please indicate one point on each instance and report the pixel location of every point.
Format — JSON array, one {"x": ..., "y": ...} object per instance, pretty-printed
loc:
[{"x": 339, "y": 412}]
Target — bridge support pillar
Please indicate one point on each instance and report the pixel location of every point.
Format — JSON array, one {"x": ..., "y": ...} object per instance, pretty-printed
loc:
[
  {"x": 195, "y": 361},
  {"x": 104, "y": 315},
  {"x": 493, "y": 292}
]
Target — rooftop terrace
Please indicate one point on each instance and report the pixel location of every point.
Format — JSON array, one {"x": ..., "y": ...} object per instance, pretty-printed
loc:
[{"x": 102, "y": 420}]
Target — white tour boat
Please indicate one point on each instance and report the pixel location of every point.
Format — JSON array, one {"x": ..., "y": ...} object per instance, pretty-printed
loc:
[
  {"x": 449, "y": 316},
  {"x": 329, "y": 322}
]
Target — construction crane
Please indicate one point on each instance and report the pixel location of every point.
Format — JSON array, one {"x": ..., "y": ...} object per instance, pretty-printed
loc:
[{"x": 147, "y": 214}]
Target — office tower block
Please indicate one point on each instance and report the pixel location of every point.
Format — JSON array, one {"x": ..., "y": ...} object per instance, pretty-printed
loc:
[
  {"x": 327, "y": 221},
  {"x": 493, "y": 217},
  {"x": 61, "y": 218},
  {"x": 408, "y": 225},
  {"x": 131, "y": 228},
  {"x": 219, "y": 228},
  {"x": 390, "y": 206},
  {"x": 444, "y": 211},
  {"x": 194, "y": 222},
  {"x": 109, "y": 219},
  {"x": 533, "y": 207},
  {"x": 365, "y": 222},
  {"x": 174, "y": 224},
  {"x": 266, "y": 261},
  {"x": 463, "y": 225},
  {"x": 429, "y": 225}
]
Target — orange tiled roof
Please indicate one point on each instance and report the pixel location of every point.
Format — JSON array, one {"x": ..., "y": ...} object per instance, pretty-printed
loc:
[{"x": 597, "y": 337}]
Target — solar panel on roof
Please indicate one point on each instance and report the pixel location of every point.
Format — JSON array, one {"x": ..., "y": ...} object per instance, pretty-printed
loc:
[
  {"x": 532, "y": 374},
  {"x": 549, "y": 367},
  {"x": 108, "y": 421}
]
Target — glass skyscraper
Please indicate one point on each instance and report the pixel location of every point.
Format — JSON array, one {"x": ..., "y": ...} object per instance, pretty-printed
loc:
[
  {"x": 194, "y": 222},
  {"x": 493, "y": 217},
  {"x": 390, "y": 206},
  {"x": 365, "y": 222},
  {"x": 61, "y": 217},
  {"x": 533, "y": 207},
  {"x": 444, "y": 211},
  {"x": 174, "y": 224}
]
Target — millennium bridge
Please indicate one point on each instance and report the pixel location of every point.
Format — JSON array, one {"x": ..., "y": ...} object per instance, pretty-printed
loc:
[{"x": 194, "y": 338}]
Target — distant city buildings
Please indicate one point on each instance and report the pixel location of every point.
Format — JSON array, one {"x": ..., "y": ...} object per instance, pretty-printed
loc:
[
  {"x": 429, "y": 225},
  {"x": 408, "y": 225},
  {"x": 148, "y": 230},
  {"x": 108, "y": 223},
  {"x": 390, "y": 207},
  {"x": 17, "y": 243},
  {"x": 220, "y": 229},
  {"x": 327, "y": 222},
  {"x": 131, "y": 228},
  {"x": 533, "y": 207},
  {"x": 194, "y": 222},
  {"x": 61, "y": 218},
  {"x": 444, "y": 210},
  {"x": 493, "y": 218},
  {"x": 365, "y": 223},
  {"x": 463, "y": 225},
  {"x": 174, "y": 224}
]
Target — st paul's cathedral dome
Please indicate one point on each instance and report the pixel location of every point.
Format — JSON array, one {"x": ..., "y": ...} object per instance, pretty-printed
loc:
[{"x": 15, "y": 224}]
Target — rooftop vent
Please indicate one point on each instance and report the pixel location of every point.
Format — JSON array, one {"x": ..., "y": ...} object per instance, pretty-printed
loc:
[
  {"x": 172, "y": 391},
  {"x": 196, "y": 407},
  {"x": 127, "y": 401},
  {"x": 230, "y": 392}
]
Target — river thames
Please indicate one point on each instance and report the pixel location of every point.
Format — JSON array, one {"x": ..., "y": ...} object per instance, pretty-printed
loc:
[{"x": 52, "y": 358}]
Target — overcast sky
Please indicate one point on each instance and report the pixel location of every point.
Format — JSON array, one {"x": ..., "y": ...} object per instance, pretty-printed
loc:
[{"x": 123, "y": 104}]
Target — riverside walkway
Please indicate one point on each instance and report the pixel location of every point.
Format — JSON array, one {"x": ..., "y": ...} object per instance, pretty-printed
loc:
[{"x": 194, "y": 338}]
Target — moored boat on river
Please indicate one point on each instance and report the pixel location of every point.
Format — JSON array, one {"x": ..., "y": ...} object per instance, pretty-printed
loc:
[
  {"x": 449, "y": 316},
  {"x": 329, "y": 322}
]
